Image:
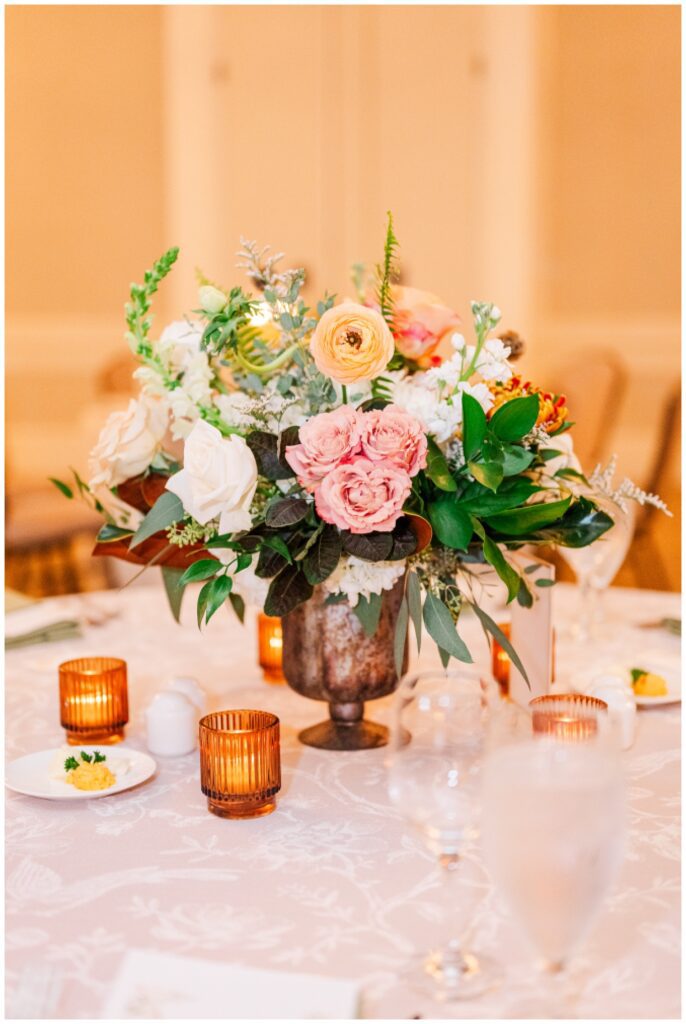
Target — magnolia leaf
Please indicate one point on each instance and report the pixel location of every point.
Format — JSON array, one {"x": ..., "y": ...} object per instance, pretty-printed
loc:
[
  {"x": 473, "y": 425},
  {"x": 404, "y": 540},
  {"x": 515, "y": 418},
  {"x": 450, "y": 523},
  {"x": 490, "y": 474},
  {"x": 166, "y": 511},
  {"x": 441, "y": 628},
  {"x": 518, "y": 521},
  {"x": 437, "y": 468}
]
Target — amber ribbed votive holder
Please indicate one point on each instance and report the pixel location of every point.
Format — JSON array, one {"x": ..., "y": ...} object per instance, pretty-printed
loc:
[
  {"x": 240, "y": 763},
  {"x": 570, "y": 717},
  {"x": 500, "y": 661},
  {"x": 94, "y": 703},
  {"x": 270, "y": 647}
]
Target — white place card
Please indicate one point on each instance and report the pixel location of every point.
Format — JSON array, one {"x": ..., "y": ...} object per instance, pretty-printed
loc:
[{"x": 164, "y": 986}]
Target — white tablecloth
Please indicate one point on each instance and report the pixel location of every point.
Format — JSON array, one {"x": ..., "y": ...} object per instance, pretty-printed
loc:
[{"x": 334, "y": 882}]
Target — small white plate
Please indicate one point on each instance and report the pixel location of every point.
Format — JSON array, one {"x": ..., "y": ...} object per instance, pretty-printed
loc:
[
  {"x": 33, "y": 774},
  {"x": 580, "y": 681}
]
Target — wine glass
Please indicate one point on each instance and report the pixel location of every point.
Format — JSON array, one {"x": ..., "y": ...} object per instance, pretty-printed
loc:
[
  {"x": 433, "y": 778},
  {"x": 553, "y": 836},
  {"x": 597, "y": 564}
]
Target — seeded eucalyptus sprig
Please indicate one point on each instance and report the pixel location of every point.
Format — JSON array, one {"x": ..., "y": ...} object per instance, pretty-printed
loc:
[{"x": 137, "y": 309}]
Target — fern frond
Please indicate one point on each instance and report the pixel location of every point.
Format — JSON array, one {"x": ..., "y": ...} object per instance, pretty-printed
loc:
[{"x": 387, "y": 272}]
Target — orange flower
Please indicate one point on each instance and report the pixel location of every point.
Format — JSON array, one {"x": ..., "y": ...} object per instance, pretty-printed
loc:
[
  {"x": 552, "y": 409},
  {"x": 351, "y": 343}
]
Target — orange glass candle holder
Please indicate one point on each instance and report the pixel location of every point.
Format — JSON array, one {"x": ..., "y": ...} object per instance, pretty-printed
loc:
[
  {"x": 270, "y": 647},
  {"x": 570, "y": 717},
  {"x": 94, "y": 703},
  {"x": 240, "y": 763}
]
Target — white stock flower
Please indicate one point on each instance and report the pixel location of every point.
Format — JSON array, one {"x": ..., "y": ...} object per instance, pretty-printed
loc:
[
  {"x": 492, "y": 363},
  {"x": 236, "y": 409},
  {"x": 179, "y": 342},
  {"x": 357, "y": 578},
  {"x": 420, "y": 395},
  {"x": 128, "y": 442},
  {"x": 218, "y": 478},
  {"x": 212, "y": 300}
]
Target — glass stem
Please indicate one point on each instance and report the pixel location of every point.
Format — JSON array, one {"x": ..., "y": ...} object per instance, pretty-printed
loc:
[{"x": 452, "y": 953}]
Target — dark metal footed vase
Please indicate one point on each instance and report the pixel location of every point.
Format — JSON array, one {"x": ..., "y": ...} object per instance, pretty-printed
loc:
[{"x": 327, "y": 656}]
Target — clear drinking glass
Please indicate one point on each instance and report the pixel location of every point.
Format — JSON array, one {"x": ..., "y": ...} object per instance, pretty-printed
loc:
[
  {"x": 433, "y": 778},
  {"x": 597, "y": 565},
  {"x": 553, "y": 838}
]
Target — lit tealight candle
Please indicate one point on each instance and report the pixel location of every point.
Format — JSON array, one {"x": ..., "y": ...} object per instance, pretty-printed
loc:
[
  {"x": 270, "y": 647},
  {"x": 500, "y": 665},
  {"x": 93, "y": 700},
  {"x": 570, "y": 717}
]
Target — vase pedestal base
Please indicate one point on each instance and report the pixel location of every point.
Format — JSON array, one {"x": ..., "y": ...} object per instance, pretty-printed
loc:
[{"x": 345, "y": 736}]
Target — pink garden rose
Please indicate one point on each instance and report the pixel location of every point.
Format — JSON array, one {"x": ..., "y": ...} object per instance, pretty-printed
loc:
[
  {"x": 325, "y": 441},
  {"x": 395, "y": 435},
  {"x": 363, "y": 496},
  {"x": 420, "y": 322}
]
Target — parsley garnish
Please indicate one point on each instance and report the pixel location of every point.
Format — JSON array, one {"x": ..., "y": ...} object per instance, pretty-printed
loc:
[
  {"x": 70, "y": 764},
  {"x": 86, "y": 757},
  {"x": 98, "y": 757}
]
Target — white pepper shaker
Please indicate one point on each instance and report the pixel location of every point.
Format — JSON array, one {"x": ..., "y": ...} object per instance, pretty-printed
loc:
[
  {"x": 191, "y": 689},
  {"x": 172, "y": 725}
]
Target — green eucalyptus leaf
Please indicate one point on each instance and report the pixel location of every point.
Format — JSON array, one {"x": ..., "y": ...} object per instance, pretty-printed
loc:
[
  {"x": 491, "y": 627},
  {"x": 400, "y": 636},
  {"x": 442, "y": 629},
  {"x": 368, "y": 611},
  {"x": 508, "y": 575},
  {"x": 109, "y": 533},
  {"x": 166, "y": 511},
  {"x": 524, "y": 596},
  {"x": 66, "y": 491},
  {"x": 515, "y": 418},
  {"x": 238, "y": 605},
  {"x": 414, "y": 601},
  {"x": 174, "y": 588}
]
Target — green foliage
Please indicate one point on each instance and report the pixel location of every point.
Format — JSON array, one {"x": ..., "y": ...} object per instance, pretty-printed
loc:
[
  {"x": 414, "y": 600},
  {"x": 268, "y": 454},
  {"x": 98, "y": 758},
  {"x": 166, "y": 511},
  {"x": 137, "y": 319},
  {"x": 489, "y": 626},
  {"x": 514, "y": 419},
  {"x": 368, "y": 611},
  {"x": 473, "y": 425},
  {"x": 212, "y": 597},
  {"x": 284, "y": 512},
  {"x": 520, "y": 522},
  {"x": 289, "y": 588},
  {"x": 451, "y": 524},
  {"x": 62, "y": 487},
  {"x": 387, "y": 272},
  {"x": 442, "y": 629},
  {"x": 200, "y": 570},
  {"x": 174, "y": 588},
  {"x": 437, "y": 468},
  {"x": 400, "y": 635},
  {"x": 324, "y": 555}
]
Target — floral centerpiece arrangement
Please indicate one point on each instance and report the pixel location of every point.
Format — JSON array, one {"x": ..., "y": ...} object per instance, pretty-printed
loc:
[{"x": 278, "y": 451}]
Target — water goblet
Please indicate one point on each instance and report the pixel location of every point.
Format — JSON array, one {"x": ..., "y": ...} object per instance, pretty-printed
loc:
[
  {"x": 552, "y": 833},
  {"x": 433, "y": 780}
]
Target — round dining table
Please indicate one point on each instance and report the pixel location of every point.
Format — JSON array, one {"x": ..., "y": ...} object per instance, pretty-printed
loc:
[{"x": 335, "y": 882}]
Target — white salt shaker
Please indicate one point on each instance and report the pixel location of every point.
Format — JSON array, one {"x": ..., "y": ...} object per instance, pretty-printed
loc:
[
  {"x": 172, "y": 725},
  {"x": 191, "y": 689},
  {"x": 621, "y": 705}
]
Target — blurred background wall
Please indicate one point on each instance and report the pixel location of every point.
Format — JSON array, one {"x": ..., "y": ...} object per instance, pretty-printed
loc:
[{"x": 530, "y": 155}]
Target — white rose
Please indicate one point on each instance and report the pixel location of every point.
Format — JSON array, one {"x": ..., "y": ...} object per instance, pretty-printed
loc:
[
  {"x": 211, "y": 299},
  {"x": 128, "y": 443},
  {"x": 218, "y": 478}
]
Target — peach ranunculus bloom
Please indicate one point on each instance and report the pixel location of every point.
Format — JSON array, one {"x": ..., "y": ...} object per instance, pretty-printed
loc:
[
  {"x": 352, "y": 343},
  {"x": 363, "y": 496},
  {"x": 393, "y": 434},
  {"x": 325, "y": 441},
  {"x": 420, "y": 322}
]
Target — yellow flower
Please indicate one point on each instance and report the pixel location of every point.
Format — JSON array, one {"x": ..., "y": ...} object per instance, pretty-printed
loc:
[
  {"x": 352, "y": 343},
  {"x": 552, "y": 409}
]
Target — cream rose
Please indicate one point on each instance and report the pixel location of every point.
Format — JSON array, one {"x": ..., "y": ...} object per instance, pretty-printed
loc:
[
  {"x": 212, "y": 300},
  {"x": 218, "y": 478},
  {"x": 352, "y": 343},
  {"x": 128, "y": 443}
]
